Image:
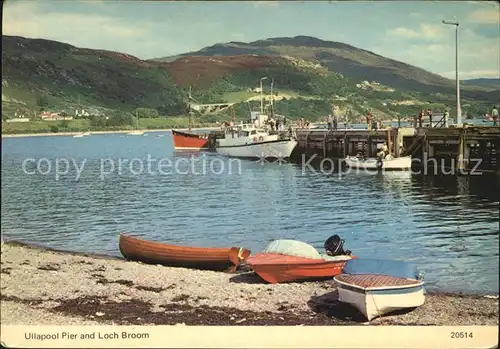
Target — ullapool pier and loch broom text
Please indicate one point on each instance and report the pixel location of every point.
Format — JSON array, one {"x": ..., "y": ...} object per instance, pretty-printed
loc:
[
  {"x": 64, "y": 335},
  {"x": 466, "y": 150}
]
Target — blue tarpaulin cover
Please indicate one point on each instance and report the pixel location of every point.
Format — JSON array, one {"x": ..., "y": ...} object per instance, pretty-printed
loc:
[{"x": 381, "y": 267}]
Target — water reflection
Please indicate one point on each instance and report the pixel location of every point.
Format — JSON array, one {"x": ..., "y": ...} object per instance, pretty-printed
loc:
[{"x": 449, "y": 226}]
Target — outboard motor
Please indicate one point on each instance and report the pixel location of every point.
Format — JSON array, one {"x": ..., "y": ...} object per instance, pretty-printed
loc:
[{"x": 334, "y": 246}]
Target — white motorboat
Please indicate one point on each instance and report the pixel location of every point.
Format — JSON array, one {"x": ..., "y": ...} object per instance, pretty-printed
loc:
[
  {"x": 378, "y": 287},
  {"x": 135, "y": 133},
  {"x": 249, "y": 141},
  {"x": 388, "y": 163},
  {"x": 80, "y": 135}
]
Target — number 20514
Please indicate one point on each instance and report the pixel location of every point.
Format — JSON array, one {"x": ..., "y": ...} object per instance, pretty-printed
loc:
[{"x": 461, "y": 335}]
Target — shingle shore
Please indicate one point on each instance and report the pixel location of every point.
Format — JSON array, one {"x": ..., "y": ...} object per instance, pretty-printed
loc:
[{"x": 45, "y": 287}]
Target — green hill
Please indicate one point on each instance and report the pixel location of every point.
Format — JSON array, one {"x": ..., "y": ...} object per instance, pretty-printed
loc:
[
  {"x": 350, "y": 61},
  {"x": 493, "y": 84},
  {"x": 308, "y": 74},
  {"x": 69, "y": 75}
]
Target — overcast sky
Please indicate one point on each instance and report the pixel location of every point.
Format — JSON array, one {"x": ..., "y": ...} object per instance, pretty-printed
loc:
[{"x": 411, "y": 32}]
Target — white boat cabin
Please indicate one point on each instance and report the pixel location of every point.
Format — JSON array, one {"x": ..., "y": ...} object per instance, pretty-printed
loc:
[{"x": 244, "y": 134}]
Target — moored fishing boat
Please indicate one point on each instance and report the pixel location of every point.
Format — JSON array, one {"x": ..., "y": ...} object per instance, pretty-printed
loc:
[
  {"x": 248, "y": 141},
  {"x": 290, "y": 260},
  {"x": 378, "y": 164},
  {"x": 189, "y": 141},
  {"x": 378, "y": 287},
  {"x": 210, "y": 258}
]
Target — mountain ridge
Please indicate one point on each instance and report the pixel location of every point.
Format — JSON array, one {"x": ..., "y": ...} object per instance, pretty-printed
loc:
[
  {"x": 353, "y": 62},
  {"x": 44, "y": 73}
]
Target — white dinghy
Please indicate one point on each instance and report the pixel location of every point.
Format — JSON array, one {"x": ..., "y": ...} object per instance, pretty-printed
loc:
[
  {"x": 378, "y": 164},
  {"x": 378, "y": 287}
]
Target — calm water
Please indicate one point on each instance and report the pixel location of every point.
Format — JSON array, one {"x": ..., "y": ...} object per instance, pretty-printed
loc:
[{"x": 448, "y": 226}]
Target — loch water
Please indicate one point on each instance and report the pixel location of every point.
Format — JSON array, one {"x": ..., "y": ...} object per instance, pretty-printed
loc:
[{"x": 447, "y": 225}]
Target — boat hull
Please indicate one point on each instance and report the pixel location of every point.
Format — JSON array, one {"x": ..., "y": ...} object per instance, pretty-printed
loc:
[
  {"x": 276, "y": 149},
  {"x": 277, "y": 268},
  {"x": 401, "y": 163},
  {"x": 189, "y": 141},
  {"x": 388, "y": 296},
  {"x": 224, "y": 259}
]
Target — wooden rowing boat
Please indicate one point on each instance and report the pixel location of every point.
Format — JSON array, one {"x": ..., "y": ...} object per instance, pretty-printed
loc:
[
  {"x": 276, "y": 268},
  {"x": 376, "y": 295},
  {"x": 378, "y": 287},
  {"x": 210, "y": 258}
]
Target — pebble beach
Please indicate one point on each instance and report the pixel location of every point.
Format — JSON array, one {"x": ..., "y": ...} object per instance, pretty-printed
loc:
[{"x": 47, "y": 287}]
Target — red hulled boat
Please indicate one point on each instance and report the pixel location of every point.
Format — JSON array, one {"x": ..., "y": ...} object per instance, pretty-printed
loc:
[
  {"x": 189, "y": 141},
  {"x": 276, "y": 268},
  {"x": 225, "y": 259},
  {"x": 291, "y": 260}
]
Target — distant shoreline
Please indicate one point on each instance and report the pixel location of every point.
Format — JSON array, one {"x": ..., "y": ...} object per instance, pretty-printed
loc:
[{"x": 50, "y": 134}]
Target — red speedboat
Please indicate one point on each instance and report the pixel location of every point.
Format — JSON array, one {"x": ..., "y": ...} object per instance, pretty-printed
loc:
[
  {"x": 275, "y": 268},
  {"x": 291, "y": 260}
]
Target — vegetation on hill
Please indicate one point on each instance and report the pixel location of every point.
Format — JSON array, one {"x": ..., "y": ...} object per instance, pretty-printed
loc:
[
  {"x": 347, "y": 60},
  {"x": 493, "y": 84},
  {"x": 309, "y": 75},
  {"x": 61, "y": 74}
]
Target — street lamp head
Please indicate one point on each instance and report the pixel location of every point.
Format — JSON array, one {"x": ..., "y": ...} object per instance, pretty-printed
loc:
[
  {"x": 450, "y": 22},
  {"x": 264, "y": 78}
]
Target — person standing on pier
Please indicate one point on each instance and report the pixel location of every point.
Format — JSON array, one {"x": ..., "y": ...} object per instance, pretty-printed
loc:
[
  {"x": 369, "y": 120},
  {"x": 429, "y": 113},
  {"x": 446, "y": 116},
  {"x": 330, "y": 122},
  {"x": 335, "y": 117},
  {"x": 421, "y": 118},
  {"x": 494, "y": 115}
]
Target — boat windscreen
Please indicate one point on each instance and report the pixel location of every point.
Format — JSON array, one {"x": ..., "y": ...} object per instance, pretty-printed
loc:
[{"x": 381, "y": 267}]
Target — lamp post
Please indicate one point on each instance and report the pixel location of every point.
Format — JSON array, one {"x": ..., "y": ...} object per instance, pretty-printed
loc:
[
  {"x": 457, "y": 81},
  {"x": 261, "y": 96}
]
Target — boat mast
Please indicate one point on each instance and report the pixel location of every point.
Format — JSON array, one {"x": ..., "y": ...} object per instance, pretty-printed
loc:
[
  {"x": 262, "y": 96},
  {"x": 272, "y": 98},
  {"x": 189, "y": 111}
]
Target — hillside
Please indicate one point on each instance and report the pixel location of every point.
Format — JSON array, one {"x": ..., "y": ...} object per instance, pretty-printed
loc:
[
  {"x": 350, "y": 61},
  {"x": 42, "y": 74},
  {"x": 484, "y": 82},
  {"x": 68, "y": 75}
]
